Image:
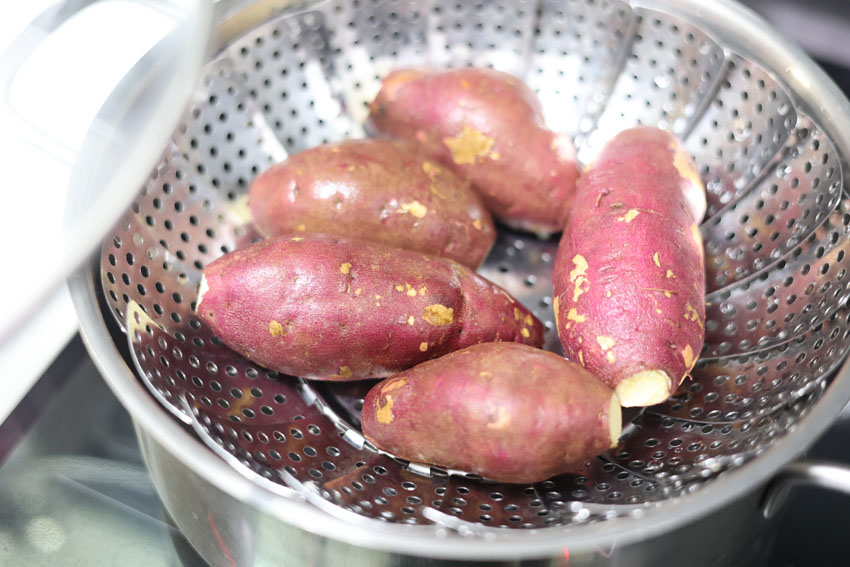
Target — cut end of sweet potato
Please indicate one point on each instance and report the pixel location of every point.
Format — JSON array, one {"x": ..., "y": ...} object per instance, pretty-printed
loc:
[
  {"x": 202, "y": 289},
  {"x": 398, "y": 79},
  {"x": 645, "y": 388},
  {"x": 615, "y": 420}
]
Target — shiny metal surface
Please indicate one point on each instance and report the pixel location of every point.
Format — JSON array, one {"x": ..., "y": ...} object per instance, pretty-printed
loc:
[
  {"x": 798, "y": 192},
  {"x": 668, "y": 73},
  {"x": 243, "y": 536},
  {"x": 64, "y": 488},
  {"x": 161, "y": 247},
  {"x": 273, "y": 91},
  {"x": 820, "y": 474}
]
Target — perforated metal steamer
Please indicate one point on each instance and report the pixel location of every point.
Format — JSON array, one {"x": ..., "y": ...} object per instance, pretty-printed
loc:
[{"x": 258, "y": 468}]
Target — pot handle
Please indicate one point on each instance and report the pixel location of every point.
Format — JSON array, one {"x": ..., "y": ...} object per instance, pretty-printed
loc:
[{"x": 814, "y": 473}]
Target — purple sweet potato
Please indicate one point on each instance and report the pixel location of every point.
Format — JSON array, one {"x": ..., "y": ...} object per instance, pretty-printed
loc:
[
  {"x": 505, "y": 411},
  {"x": 332, "y": 308},
  {"x": 488, "y": 127},
  {"x": 629, "y": 277},
  {"x": 376, "y": 190}
]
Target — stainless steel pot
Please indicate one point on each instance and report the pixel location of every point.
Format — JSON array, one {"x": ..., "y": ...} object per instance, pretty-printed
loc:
[{"x": 257, "y": 468}]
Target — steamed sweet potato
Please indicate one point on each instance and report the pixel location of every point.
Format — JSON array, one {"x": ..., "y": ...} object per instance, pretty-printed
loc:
[
  {"x": 629, "y": 277},
  {"x": 505, "y": 411},
  {"x": 376, "y": 190},
  {"x": 488, "y": 127},
  {"x": 333, "y": 308}
]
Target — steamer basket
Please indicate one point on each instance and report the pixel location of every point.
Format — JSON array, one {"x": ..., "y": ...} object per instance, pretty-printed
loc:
[{"x": 768, "y": 132}]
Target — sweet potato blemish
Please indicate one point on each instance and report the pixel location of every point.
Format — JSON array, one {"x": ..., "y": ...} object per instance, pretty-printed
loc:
[
  {"x": 468, "y": 146},
  {"x": 385, "y": 412},
  {"x": 578, "y": 276},
  {"x": 438, "y": 315}
]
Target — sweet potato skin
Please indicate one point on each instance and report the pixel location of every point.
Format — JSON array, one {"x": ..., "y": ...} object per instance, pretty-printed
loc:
[
  {"x": 332, "y": 308},
  {"x": 629, "y": 278},
  {"x": 488, "y": 127},
  {"x": 505, "y": 411},
  {"x": 377, "y": 190}
]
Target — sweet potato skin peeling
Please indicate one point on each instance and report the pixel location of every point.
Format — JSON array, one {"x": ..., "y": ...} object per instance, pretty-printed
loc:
[
  {"x": 488, "y": 127},
  {"x": 505, "y": 411},
  {"x": 377, "y": 190},
  {"x": 333, "y": 308},
  {"x": 629, "y": 277}
]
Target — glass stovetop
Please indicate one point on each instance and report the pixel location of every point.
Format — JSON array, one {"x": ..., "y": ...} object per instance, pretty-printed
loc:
[{"x": 74, "y": 490}]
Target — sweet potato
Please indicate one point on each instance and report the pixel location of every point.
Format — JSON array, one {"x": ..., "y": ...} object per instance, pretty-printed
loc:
[
  {"x": 488, "y": 127},
  {"x": 376, "y": 190},
  {"x": 505, "y": 411},
  {"x": 629, "y": 277},
  {"x": 332, "y": 308}
]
